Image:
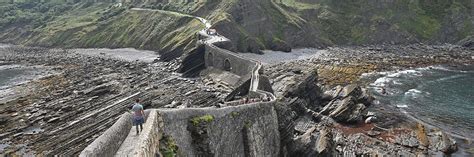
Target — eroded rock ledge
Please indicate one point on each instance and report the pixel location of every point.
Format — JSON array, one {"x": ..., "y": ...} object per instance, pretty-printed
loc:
[{"x": 341, "y": 121}]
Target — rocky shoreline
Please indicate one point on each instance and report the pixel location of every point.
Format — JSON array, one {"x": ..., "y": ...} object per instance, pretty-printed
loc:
[
  {"x": 322, "y": 102},
  {"x": 343, "y": 65},
  {"x": 390, "y": 132},
  {"x": 58, "y": 114}
]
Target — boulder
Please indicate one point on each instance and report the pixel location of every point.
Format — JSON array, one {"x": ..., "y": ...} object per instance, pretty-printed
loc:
[
  {"x": 339, "y": 92},
  {"x": 351, "y": 90},
  {"x": 307, "y": 90},
  {"x": 467, "y": 42},
  {"x": 407, "y": 139},
  {"x": 333, "y": 93},
  {"x": 370, "y": 119},
  {"x": 313, "y": 143},
  {"x": 365, "y": 97},
  {"x": 280, "y": 45},
  {"x": 347, "y": 111},
  {"x": 304, "y": 144},
  {"x": 442, "y": 142},
  {"x": 449, "y": 145},
  {"x": 324, "y": 145}
]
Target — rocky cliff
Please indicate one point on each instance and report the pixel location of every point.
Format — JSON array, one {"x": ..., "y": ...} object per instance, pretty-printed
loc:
[
  {"x": 342, "y": 122},
  {"x": 285, "y": 24},
  {"x": 98, "y": 25},
  {"x": 251, "y": 25}
]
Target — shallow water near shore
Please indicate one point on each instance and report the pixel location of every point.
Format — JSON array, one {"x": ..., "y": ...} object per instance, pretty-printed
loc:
[
  {"x": 8, "y": 75},
  {"x": 13, "y": 75},
  {"x": 438, "y": 95}
]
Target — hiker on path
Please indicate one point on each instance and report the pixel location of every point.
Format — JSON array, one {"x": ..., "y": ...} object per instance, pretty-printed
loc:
[{"x": 138, "y": 115}]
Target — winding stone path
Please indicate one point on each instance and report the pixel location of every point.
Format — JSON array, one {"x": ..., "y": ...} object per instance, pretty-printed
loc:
[
  {"x": 129, "y": 144},
  {"x": 126, "y": 149}
]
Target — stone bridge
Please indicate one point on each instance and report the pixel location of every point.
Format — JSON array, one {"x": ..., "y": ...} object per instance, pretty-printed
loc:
[{"x": 244, "y": 128}]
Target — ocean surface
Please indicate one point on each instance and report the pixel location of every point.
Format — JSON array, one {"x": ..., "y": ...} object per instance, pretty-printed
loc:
[
  {"x": 441, "y": 96},
  {"x": 12, "y": 75},
  {"x": 9, "y": 74}
]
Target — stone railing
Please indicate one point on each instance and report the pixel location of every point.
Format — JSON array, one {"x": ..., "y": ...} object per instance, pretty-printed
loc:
[
  {"x": 256, "y": 117},
  {"x": 229, "y": 132},
  {"x": 110, "y": 141},
  {"x": 149, "y": 139}
]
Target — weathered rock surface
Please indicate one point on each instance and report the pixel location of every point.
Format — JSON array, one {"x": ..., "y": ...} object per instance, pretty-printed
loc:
[
  {"x": 244, "y": 130},
  {"x": 347, "y": 104},
  {"x": 307, "y": 90},
  {"x": 70, "y": 108},
  {"x": 325, "y": 145},
  {"x": 440, "y": 141},
  {"x": 343, "y": 121},
  {"x": 467, "y": 42},
  {"x": 347, "y": 111}
]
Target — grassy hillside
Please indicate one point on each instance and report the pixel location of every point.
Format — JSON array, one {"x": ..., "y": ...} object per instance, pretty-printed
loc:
[
  {"x": 274, "y": 24},
  {"x": 100, "y": 25},
  {"x": 250, "y": 24}
]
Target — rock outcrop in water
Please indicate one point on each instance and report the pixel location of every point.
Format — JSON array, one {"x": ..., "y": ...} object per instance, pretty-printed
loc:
[
  {"x": 347, "y": 104},
  {"x": 335, "y": 124}
]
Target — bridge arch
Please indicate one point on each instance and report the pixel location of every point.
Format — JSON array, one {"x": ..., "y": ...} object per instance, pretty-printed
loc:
[{"x": 227, "y": 65}]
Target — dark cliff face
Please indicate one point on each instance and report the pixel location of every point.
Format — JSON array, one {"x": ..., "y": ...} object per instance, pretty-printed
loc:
[
  {"x": 251, "y": 25},
  {"x": 307, "y": 90},
  {"x": 98, "y": 25},
  {"x": 279, "y": 25}
]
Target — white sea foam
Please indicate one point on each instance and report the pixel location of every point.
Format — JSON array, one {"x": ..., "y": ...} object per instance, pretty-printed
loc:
[
  {"x": 449, "y": 78},
  {"x": 382, "y": 82},
  {"x": 414, "y": 91},
  {"x": 411, "y": 72},
  {"x": 391, "y": 77},
  {"x": 402, "y": 106},
  {"x": 442, "y": 68},
  {"x": 397, "y": 82}
]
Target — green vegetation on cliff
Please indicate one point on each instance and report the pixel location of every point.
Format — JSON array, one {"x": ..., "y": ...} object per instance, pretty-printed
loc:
[
  {"x": 202, "y": 119},
  {"x": 168, "y": 147},
  {"x": 275, "y": 24},
  {"x": 251, "y": 25},
  {"x": 100, "y": 25}
]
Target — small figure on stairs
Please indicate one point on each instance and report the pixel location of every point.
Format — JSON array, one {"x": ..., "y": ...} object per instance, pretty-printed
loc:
[{"x": 138, "y": 115}]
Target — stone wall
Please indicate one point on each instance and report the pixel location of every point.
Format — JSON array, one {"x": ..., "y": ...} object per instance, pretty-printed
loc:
[
  {"x": 109, "y": 142},
  {"x": 253, "y": 129},
  {"x": 216, "y": 57},
  {"x": 148, "y": 143},
  {"x": 245, "y": 130}
]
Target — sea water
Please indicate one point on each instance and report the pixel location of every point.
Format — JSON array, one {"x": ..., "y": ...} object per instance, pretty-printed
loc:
[
  {"x": 438, "y": 95},
  {"x": 9, "y": 74}
]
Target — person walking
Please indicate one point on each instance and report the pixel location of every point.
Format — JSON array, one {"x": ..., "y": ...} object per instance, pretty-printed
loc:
[{"x": 138, "y": 115}]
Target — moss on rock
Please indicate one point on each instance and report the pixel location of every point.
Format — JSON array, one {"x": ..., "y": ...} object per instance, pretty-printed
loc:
[{"x": 202, "y": 119}]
